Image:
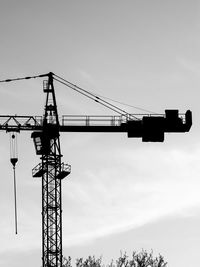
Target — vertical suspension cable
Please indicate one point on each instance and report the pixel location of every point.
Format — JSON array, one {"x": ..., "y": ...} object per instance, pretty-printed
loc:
[
  {"x": 13, "y": 160},
  {"x": 15, "y": 200}
]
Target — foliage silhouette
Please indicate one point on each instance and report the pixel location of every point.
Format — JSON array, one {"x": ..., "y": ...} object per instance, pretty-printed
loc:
[{"x": 138, "y": 259}]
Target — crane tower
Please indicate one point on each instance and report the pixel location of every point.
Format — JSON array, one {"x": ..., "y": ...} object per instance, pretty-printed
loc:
[{"x": 45, "y": 133}]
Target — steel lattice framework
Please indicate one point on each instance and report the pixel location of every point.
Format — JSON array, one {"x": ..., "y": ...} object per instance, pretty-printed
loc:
[
  {"x": 51, "y": 211},
  {"x": 52, "y": 172}
]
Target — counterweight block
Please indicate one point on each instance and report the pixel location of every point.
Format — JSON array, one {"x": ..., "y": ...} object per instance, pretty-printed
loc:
[{"x": 153, "y": 128}]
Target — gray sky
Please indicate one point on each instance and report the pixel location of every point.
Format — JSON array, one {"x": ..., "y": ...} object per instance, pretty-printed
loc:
[{"x": 122, "y": 194}]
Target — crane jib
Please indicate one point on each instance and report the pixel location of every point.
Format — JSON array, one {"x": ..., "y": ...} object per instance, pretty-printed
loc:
[{"x": 150, "y": 128}]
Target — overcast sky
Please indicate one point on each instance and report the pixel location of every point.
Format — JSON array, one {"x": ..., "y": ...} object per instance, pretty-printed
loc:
[{"x": 122, "y": 194}]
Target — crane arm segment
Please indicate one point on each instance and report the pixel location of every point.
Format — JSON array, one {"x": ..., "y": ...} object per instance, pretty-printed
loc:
[
  {"x": 20, "y": 123},
  {"x": 150, "y": 127}
]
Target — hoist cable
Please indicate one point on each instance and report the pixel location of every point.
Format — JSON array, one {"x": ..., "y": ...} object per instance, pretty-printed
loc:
[
  {"x": 90, "y": 93},
  {"x": 128, "y": 105},
  {"x": 13, "y": 160},
  {"x": 23, "y": 78},
  {"x": 93, "y": 97},
  {"x": 15, "y": 200},
  {"x": 100, "y": 96},
  {"x": 96, "y": 97}
]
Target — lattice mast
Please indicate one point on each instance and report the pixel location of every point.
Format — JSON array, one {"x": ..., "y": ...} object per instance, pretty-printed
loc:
[{"x": 52, "y": 171}]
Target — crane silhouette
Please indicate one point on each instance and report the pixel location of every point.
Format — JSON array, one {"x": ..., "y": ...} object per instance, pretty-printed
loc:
[{"x": 46, "y": 136}]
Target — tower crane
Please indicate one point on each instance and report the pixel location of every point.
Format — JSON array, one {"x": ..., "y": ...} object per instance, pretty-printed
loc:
[{"x": 46, "y": 136}]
